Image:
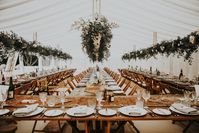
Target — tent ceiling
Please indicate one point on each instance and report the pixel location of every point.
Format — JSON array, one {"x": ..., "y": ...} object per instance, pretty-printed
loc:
[{"x": 52, "y": 19}]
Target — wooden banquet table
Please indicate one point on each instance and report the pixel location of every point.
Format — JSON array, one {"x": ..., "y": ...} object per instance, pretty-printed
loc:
[{"x": 120, "y": 101}]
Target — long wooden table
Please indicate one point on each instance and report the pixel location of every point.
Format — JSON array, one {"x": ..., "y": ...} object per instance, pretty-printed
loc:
[
  {"x": 156, "y": 83},
  {"x": 119, "y": 101}
]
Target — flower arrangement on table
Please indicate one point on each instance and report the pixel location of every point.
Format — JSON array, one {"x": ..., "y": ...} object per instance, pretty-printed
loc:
[{"x": 96, "y": 36}]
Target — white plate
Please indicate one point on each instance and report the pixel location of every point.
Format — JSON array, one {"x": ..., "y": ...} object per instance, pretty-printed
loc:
[
  {"x": 110, "y": 80},
  {"x": 107, "y": 112},
  {"x": 115, "y": 88},
  {"x": 111, "y": 83},
  {"x": 80, "y": 111},
  {"x": 132, "y": 111},
  {"x": 28, "y": 101},
  {"x": 4, "y": 111},
  {"x": 161, "y": 111},
  {"x": 118, "y": 92},
  {"x": 54, "y": 112},
  {"x": 183, "y": 113},
  {"x": 36, "y": 112}
]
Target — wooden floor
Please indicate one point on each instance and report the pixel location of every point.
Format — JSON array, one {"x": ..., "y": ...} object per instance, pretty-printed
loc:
[{"x": 143, "y": 126}]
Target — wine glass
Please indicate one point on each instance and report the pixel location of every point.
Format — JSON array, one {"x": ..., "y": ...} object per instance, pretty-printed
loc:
[
  {"x": 139, "y": 94},
  {"x": 62, "y": 97},
  {"x": 99, "y": 97},
  {"x": 3, "y": 97},
  {"x": 43, "y": 97},
  {"x": 146, "y": 95},
  {"x": 91, "y": 103}
]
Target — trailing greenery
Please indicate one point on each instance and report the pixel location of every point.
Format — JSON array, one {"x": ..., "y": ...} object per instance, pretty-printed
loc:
[
  {"x": 181, "y": 47},
  {"x": 99, "y": 28},
  {"x": 11, "y": 42}
]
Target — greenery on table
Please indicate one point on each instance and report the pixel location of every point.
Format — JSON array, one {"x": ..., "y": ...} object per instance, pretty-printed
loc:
[{"x": 185, "y": 47}]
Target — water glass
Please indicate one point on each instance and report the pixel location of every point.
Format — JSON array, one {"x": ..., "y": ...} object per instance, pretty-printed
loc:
[
  {"x": 146, "y": 95},
  {"x": 140, "y": 103},
  {"x": 62, "y": 97},
  {"x": 4, "y": 94},
  {"x": 187, "y": 95},
  {"x": 99, "y": 97},
  {"x": 43, "y": 96},
  {"x": 139, "y": 94},
  {"x": 91, "y": 103},
  {"x": 51, "y": 101}
]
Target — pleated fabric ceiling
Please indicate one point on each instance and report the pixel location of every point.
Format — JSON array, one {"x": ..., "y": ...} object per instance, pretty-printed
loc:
[{"x": 138, "y": 19}]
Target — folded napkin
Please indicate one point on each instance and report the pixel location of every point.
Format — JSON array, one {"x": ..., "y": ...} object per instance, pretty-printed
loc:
[
  {"x": 184, "y": 109},
  {"x": 28, "y": 109}
]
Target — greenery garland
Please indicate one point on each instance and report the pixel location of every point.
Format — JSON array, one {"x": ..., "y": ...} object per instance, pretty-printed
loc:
[
  {"x": 181, "y": 47},
  {"x": 11, "y": 41},
  {"x": 91, "y": 33}
]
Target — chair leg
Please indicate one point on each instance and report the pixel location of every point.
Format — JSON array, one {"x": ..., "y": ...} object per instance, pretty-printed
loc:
[
  {"x": 34, "y": 126},
  {"x": 132, "y": 124},
  {"x": 188, "y": 126}
]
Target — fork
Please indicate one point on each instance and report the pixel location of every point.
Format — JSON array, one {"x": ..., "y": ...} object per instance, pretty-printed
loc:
[{"x": 149, "y": 111}]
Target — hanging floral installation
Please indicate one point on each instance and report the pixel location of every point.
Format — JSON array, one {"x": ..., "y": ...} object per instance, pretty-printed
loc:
[
  {"x": 181, "y": 47},
  {"x": 12, "y": 42},
  {"x": 96, "y": 36}
]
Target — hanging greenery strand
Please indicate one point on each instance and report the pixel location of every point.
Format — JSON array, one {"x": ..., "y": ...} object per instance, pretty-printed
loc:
[
  {"x": 181, "y": 47},
  {"x": 11, "y": 41}
]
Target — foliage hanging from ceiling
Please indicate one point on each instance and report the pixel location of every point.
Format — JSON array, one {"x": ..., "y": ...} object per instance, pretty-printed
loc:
[
  {"x": 96, "y": 36},
  {"x": 12, "y": 42},
  {"x": 181, "y": 47}
]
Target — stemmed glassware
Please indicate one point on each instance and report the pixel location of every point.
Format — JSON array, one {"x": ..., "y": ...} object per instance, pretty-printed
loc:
[
  {"x": 43, "y": 97},
  {"x": 146, "y": 95},
  {"x": 99, "y": 97},
  {"x": 3, "y": 93},
  {"x": 92, "y": 103},
  {"x": 139, "y": 95},
  {"x": 62, "y": 95}
]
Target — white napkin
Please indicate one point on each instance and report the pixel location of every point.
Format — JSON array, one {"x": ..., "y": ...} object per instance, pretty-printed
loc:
[
  {"x": 28, "y": 109},
  {"x": 184, "y": 109}
]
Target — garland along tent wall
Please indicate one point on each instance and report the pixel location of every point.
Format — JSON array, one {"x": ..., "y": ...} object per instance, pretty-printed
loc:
[{"x": 52, "y": 21}]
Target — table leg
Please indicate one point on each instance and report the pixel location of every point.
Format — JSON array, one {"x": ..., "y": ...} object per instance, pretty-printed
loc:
[
  {"x": 86, "y": 124},
  {"x": 108, "y": 127},
  {"x": 97, "y": 126},
  {"x": 73, "y": 124},
  {"x": 120, "y": 128}
]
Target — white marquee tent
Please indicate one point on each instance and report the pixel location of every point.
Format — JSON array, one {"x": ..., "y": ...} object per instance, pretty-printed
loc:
[{"x": 138, "y": 19}]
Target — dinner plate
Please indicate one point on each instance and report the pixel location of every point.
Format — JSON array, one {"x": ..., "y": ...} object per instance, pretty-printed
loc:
[
  {"x": 81, "y": 85},
  {"x": 107, "y": 112},
  {"x": 80, "y": 111},
  {"x": 4, "y": 111},
  {"x": 161, "y": 111},
  {"x": 115, "y": 88},
  {"x": 28, "y": 101},
  {"x": 183, "y": 113},
  {"x": 111, "y": 83},
  {"x": 54, "y": 112},
  {"x": 118, "y": 92},
  {"x": 132, "y": 111},
  {"x": 35, "y": 112},
  {"x": 110, "y": 80}
]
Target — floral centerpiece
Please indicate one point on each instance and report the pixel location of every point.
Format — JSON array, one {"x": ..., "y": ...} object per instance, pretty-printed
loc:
[{"x": 96, "y": 37}]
